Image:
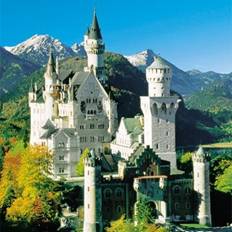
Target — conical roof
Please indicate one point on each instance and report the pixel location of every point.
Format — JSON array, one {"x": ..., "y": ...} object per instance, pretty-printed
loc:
[
  {"x": 51, "y": 62},
  {"x": 159, "y": 63},
  {"x": 94, "y": 31},
  {"x": 200, "y": 151}
]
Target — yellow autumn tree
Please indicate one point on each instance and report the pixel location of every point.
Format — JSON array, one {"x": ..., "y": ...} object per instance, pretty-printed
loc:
[{"x": 37, "y": 198}]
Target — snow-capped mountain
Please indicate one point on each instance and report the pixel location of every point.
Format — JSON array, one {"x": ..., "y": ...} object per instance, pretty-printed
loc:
[
  {"x": 79, "y": 49},
  {"x": 36, "y": 49},
  {"x": 142, "y": 59},
  {"x": 183, "y": 82}
]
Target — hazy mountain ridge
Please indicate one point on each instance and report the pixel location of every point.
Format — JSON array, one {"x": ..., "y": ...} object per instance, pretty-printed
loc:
[
  {"x": 185, "y": 83},
  {"x": 13, "y": 70},
  {"x": 36, "y": 50}
]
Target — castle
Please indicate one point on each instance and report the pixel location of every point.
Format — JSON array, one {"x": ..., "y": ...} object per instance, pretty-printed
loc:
[{"x": 74, "y": 112}]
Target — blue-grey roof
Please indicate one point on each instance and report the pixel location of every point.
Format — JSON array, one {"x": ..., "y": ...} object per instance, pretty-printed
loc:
[
  {"x": 158, "y": 63},
  {"x": 94, "y": 31}
]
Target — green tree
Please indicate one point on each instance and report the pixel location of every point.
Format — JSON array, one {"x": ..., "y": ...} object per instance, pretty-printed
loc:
[
  {"x": 223, "y": 182},
  {"x": 80, "y": 165},
  {"x": 185, "y": 162}
]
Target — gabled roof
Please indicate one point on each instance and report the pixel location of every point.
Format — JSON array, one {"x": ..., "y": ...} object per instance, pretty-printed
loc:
[
  {"x": 94, "y": 31},
  {"x": 47, "y": 134},
  {"x": 133, "y": 127},
  {"x": 48, "y": 125},
  {"x": 79, "y": 78}
]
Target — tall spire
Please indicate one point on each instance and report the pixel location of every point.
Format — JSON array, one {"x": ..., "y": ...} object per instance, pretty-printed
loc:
[
  {"x": 51, "y": 66},
  {"x": 95, "y": 32}
]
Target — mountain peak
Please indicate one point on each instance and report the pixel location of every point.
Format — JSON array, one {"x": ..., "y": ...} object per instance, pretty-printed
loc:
[{"x": 37, "y": 47}]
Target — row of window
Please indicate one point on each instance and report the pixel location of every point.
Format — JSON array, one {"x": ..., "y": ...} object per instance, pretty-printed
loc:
[
  {"x": 157, "y": 146},
  {"x": 178, "y": 189},
  {"x": 83, "y": 139},
  {"x": 158, "y": 70},
  {"x": 158, "y": 79},
  {"x": 160, "y": 120},
  {"x": 108, "y": 193},
  {"x": 94, "y": 100},
  {"x": 92, "y": 126}
]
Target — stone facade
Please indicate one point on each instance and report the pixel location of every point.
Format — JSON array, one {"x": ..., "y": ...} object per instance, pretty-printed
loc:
[
  {"x": 146, "y": 177},
  {"x": 71, "y": 113},
  {"x": 74, "y": 112}
]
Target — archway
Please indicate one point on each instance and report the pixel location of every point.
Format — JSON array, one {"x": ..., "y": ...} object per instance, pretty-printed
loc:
[{"x": 153, "y": 208}]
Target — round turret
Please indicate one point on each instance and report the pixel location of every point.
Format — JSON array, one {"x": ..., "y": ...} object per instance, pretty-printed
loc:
[
  {"x": 202, "y": 186},
  {"x": 158, "y": 76}
]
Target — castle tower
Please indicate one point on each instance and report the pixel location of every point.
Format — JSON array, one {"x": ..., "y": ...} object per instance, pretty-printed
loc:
[
  {"x": 159, "y": 109},
  {"x": 202, "y": 186},
  {"x": 50, "y": 91},
  {"x": 92, "y": 195},
  {"x": 95, "y": 48}
]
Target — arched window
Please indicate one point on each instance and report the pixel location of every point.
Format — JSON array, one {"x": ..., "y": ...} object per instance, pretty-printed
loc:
[
  {"x": 187, "y": 190},
  {"x": 107, "y": 193},
  {"x": 118, "y": 192},
  {"x": 172, "y": 106},
  {"x": 119, "y": 209},
  {"x": 176, "y": 189},
  {"x": 164, "y": 108},
  {"x": 155, "y": 108}
]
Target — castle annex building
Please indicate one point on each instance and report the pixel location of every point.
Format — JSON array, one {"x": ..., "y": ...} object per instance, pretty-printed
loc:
[{"x": 73, "y": 112}]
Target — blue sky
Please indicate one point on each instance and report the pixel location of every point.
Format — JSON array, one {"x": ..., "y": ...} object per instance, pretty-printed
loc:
[{"x": 189, "y": 33}]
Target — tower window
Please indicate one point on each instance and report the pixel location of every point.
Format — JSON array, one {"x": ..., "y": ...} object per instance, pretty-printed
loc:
[
  {"x": 88, "y": 188},
  {"x": 88, "y": 206},
  {"x": 164, "y": 108},
  {"x": 157, "y": 146},
  {"x": 167, "y": 133}
]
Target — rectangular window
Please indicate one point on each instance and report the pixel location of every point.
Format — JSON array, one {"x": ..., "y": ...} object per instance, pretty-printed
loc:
[
  {"x": 61, "y": 157},
  {"x": 91, "y": 138},
  {"x": 61, "y": 170},
  {"x": 83, "y": 139},
  {"x": 157, "y": 146},
  {"x": 100, "y": 138},
  {"x": 82, "y": 127},
  {"x": 91, "y": 126},
  {"x": 101, "y": 126}
]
